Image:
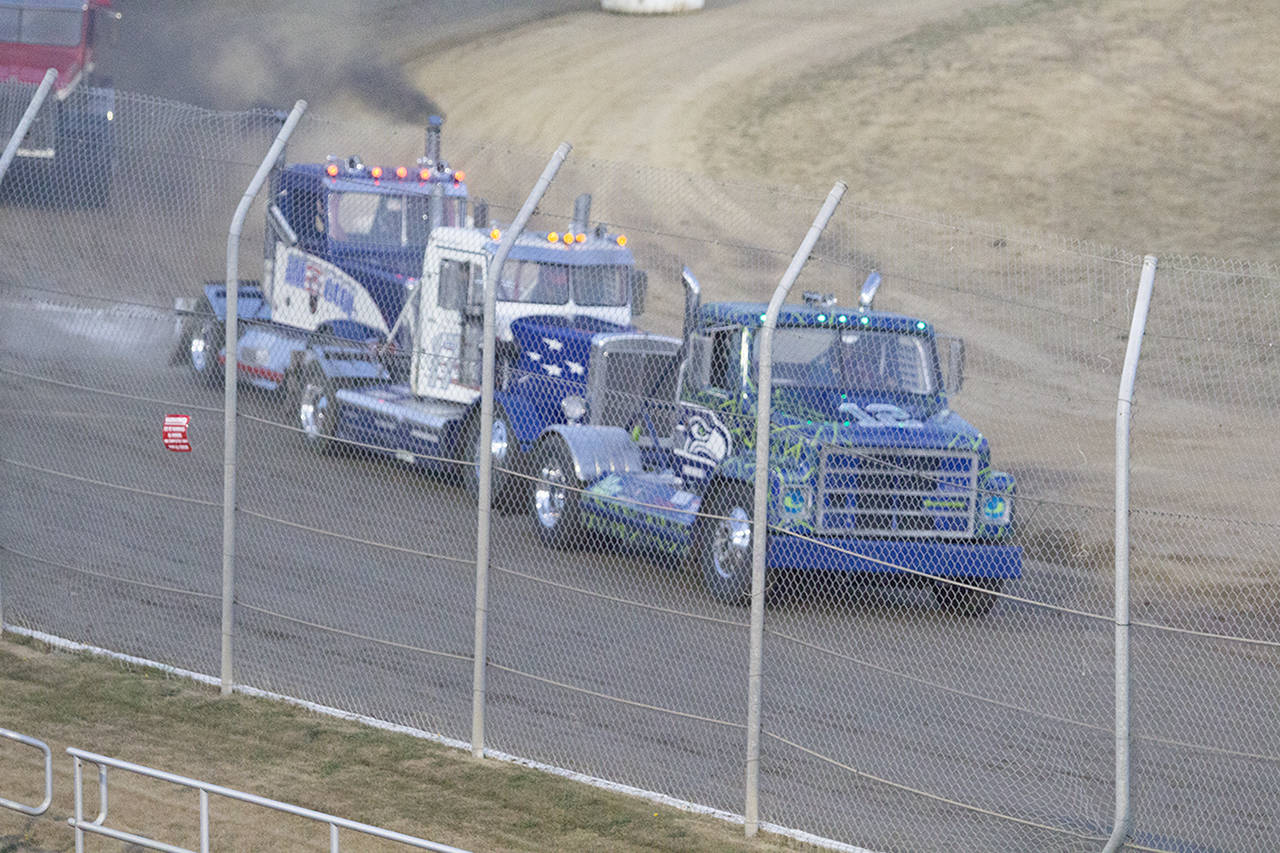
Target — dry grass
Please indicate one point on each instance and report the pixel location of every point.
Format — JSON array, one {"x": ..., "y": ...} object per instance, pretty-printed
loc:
[{"x": 286, "y": 753}]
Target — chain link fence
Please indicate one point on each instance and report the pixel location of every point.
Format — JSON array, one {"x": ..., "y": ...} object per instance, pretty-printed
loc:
[{"x": 937, "y": 659}]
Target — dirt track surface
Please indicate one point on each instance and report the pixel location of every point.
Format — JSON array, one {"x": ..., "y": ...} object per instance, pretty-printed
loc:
[
  {"x": 1151, "y": 125},
  {"x": 1147, "y": 125}
]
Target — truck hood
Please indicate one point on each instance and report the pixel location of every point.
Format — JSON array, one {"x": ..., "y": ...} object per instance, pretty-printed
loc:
[
  {"x": 27, "y": 63},
  {"x": 874, "y": 419}
]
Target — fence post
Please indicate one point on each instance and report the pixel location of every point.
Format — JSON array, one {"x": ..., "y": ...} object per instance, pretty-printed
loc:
[
  {"x": 760, "y": 510},
  {"x": 1128, "y": 377},
  {"x": 484, "y": 510},
  {"x": 24, "y": 123},
  {"x": 230, "y": 336}
]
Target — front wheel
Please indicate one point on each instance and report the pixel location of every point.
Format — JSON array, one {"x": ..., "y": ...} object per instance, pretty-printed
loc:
[
  {"x": 963, "y": 601},
  {"x": 203, "y": 348},
  {"x": 317, "y": 409},
  {"x": 505, "y": 486},
  {"x": 557, "y": 495},
  {"x": 722, "y": 542}
]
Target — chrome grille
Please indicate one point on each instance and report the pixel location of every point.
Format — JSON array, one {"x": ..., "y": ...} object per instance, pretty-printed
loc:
[{"x": 896, "y": 492}]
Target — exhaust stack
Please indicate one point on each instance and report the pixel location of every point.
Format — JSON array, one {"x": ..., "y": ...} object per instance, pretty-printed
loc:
[
  {"x": 868, "y": 293},
  {"x": 581, "y": 213},
  {"x": 692, "y": 302},
  {"x": 434, "y": 124}
]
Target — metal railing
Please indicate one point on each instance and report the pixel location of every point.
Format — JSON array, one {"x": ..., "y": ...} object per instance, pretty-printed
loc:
[
  {"x": 98, "y": 826},
  {"x": 48, "y": 775}
]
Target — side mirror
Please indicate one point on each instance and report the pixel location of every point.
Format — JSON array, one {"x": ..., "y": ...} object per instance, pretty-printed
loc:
[
  {"x": 955, "y": 365},
  {"x": 698, "y": 375},
  {"x": 280, "y": 226},
  {"x": 639, "y": 281}
]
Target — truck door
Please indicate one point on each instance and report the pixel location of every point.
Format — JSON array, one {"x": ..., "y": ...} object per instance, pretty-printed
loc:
[
  {"x": 710, "y": 404},
  {"x": 446, "y": 358}
]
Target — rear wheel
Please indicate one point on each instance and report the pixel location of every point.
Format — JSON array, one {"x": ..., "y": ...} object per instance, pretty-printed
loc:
[
  {"x": 557, "y": 495},
  {"x": 722, "y": 541},
  {"x": 317, "y": 409},
  {"x": 963, "y": 601},
  {"x": 203, "y": 348}
]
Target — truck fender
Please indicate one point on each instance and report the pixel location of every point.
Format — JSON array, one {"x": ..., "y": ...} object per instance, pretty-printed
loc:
[
  {"x": 250, "y": 302},
  {"x": 527, "y": 416},
  {"x": 598, "y": 450}
]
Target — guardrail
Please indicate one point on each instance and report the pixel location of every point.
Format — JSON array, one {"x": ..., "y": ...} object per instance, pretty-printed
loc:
[
  {"x": 48, "y": 775},
  {"x": 98, "y": 826}
]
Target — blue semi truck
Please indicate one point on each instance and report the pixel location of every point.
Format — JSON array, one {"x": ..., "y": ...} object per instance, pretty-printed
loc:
[
  {"x": 368, "y": 322},
  {"x": 870, "y": 469}
]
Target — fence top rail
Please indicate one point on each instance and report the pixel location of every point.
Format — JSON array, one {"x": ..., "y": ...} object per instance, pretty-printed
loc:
[
  {"x": 265, "y": 802},
  {"x": 48, "y": 774}
]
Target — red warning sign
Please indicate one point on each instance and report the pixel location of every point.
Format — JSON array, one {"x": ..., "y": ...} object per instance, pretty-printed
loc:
[{"x": 175, "y": 433}]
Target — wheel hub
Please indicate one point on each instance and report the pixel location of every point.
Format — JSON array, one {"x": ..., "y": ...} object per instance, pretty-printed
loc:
[
  {"x": 549, "y": 495},
  {"x": 731, "y": 548}
]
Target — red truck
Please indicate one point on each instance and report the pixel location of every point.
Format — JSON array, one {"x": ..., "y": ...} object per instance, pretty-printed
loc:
[{"x": 66, "y": 155}]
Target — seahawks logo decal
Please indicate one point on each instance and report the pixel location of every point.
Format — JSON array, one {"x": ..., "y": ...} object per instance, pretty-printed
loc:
[{"x": 706, "y": 442}]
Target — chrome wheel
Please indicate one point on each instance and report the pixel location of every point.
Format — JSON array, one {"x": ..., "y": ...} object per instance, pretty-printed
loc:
[
  {"x": 549, "y": 494},
  {"x": 316, "y": 409},
  {"x": 731, "y": 545},
  {"x": 557, "y": 495}
]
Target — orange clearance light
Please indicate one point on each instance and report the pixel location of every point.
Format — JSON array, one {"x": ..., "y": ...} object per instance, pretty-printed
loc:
[
  {"x": 376, "y": 172},
  {"x": 495, "y": 234},
  {"x": 424, "y": 174},
  {"x": 459, "y": 176},
  {"x": 581, "y": 238},
  {"x": 402, "y": 172},
  {"x": 331, "y": 170},
  {"x": 622, "y": 239}
]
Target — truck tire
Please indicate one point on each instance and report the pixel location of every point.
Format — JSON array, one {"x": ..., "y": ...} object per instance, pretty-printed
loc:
[
  {"x": 317, "y": 409},
  {"x": 557, "y": 495},
  {"x": 202, "y": 350},
  {"x": 506, "y": 485},
  {"x": 722, "y": 541},
  {"x": 962, "y": 601}
]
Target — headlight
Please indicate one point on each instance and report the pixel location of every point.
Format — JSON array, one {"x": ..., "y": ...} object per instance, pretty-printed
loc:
[
  {"x": 997, "y": 509},
  {"x": 795, "y": 502}
]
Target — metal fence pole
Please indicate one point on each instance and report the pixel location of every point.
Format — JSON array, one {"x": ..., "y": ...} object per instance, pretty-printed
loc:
[
  {"x": 1128, "y": 377},
  {"x": 760, "y": 517},
  {"x": 230, "y": 337},
  {"x": 24, "y": 123},
  {"x": 10, "y": 151},
  {"x": 484, "y": 511}
]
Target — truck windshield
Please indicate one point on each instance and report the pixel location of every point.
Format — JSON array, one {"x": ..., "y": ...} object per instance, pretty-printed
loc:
[
  {"x": 394, "y": 220},
  {"x": 853, "y": 359},
  {"x": 551, "y": 284},
  {"x": 56, "y": 27}
]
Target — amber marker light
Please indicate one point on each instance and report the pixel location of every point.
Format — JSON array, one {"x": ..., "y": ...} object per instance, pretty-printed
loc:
[
  {"x": 581, "y": 238},
  {"x": 622, "y": 239},
  {"x": 402, "y": 172},
  {"x": 495, "y": 234},
  {"x": 424, "y": 174},
  {"x": 553, "y": 237},
  {"x": 459, "y": 176},
  {"x": 331, "y": 170}
]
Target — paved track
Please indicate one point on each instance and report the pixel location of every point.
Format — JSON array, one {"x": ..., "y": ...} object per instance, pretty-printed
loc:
[{"x": 1010, "y": 713}]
